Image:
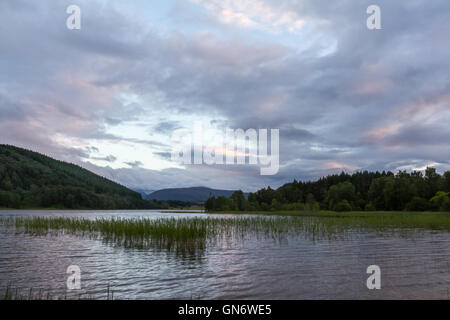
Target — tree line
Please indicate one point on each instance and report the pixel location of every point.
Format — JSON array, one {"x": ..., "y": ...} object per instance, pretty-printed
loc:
[{"x": 369, "y": 191}]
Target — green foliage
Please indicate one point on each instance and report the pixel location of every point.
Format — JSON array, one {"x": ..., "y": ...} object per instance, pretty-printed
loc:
[
  {"x": 339, "y": 192},
  {"x": 342, "y": 206},
  {"x": 433, "y": 182},
  {"x": 275, "y": 205},
  {"x": 367, "y": 191},
  {"x": 311, "y": 204},
  {"x": 32, "y": 180},
  {"x": 441, "y": 201},
  {"x": 239, "y": 202},
  {"x": 298, "y": 206},
  {"x": 397, "y": 193},
  {"x": 446, "y": 184},
  {"x": 9, "y": 199},
  {"x": 376, "y": 192},
  {"x": 418, "y": 204}
]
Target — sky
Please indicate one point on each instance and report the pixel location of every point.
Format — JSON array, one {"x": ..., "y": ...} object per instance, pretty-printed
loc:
[{"x": 110, "y": 95}]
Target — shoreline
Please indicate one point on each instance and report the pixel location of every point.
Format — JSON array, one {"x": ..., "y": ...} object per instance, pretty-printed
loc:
[
  {"x": 325, "y": 213},
  {"x": 321, "y": 213}
]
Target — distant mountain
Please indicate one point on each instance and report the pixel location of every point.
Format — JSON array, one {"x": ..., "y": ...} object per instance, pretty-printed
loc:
[
  {"x": 193, "y": 194},
  {"x": 31, "y": 180},
  {"x": 143, "y": 192}
]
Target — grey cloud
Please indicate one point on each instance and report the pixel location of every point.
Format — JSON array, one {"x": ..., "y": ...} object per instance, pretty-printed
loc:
[
  {"x": 10, "y": 110},
  {"x": 135, "y": 164},
  {"x": 296, "y": 134},
  {"x": 163, "y": 155},
  {"x": 166, "y": 127},
  {"x": 325, "y": 106},
  {"x": 245, "y": 178},
  {"x": 419, "y": 135},
  {"x": 109, "y": 158}
]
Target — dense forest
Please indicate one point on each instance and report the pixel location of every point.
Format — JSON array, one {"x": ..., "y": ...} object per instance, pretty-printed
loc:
[
  {"x": 32, "y": 180},
  {"x": 369, "y": 191}
]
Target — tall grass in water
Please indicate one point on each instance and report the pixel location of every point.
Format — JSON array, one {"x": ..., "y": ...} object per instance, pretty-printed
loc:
[
  {"x": 191, "y": 235},
  {"x": 180, "y": 235},
  {"x": 15, "y": 293}
]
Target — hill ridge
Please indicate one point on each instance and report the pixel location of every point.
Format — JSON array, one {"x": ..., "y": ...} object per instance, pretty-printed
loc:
[
  {"x": 30, "y": 179},
  {"x": 192, "y": 194}
]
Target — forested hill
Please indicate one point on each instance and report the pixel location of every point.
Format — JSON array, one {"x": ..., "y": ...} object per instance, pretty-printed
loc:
[
  {"x": 414, "y": 191},
  {"x": 32, "y": 180}
]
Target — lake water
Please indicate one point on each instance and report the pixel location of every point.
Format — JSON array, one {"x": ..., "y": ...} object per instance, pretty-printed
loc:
[{"x": 413, "y": 266}]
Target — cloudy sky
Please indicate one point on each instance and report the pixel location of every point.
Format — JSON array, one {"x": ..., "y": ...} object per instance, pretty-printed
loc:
[{"x": 110, "y": 95}]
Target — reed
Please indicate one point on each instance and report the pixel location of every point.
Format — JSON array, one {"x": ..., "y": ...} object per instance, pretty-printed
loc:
[
  {"x": 10, "y": 292},
  {"x": 193, "y": 234}
]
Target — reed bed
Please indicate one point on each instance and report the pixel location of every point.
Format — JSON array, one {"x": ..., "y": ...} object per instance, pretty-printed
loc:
[
  {"x": 191, "y": 235},
  {"x": 10, "y": 292}
]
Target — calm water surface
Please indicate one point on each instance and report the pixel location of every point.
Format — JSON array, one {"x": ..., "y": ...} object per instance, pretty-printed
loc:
[{"x": 413, "y": 266}]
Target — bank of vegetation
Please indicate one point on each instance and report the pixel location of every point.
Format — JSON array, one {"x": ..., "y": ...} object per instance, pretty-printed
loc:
[{"x": 361, "y": 191}]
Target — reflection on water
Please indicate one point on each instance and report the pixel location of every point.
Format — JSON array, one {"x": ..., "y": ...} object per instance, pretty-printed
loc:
[{"x": 254, "y": 267}]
